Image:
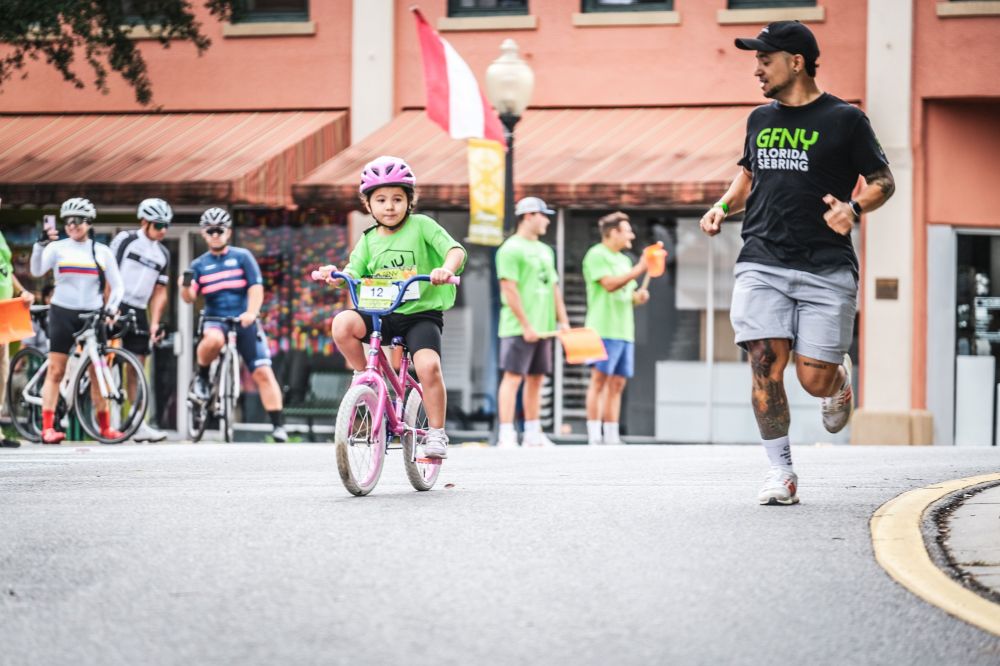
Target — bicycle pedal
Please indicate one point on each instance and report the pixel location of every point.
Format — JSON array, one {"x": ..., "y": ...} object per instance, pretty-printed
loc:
[{"x": 430, "y": 461}]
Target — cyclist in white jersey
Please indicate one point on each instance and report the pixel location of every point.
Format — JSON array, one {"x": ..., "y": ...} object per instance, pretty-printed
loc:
[
  {"x": 144, "y": 263},
  {"x": 78, "y": 263}
]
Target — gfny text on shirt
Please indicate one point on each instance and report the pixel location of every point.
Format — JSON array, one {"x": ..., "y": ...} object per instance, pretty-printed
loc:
[{"x": 783, "y": 149}]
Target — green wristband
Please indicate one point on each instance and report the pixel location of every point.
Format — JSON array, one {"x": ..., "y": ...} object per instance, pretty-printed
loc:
[{"x": 723, "y": 205}]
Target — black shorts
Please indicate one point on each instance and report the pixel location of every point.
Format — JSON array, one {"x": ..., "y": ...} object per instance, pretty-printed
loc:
[
  {"x": 137, "y": 343},
  {"x": 63, "y": 327},
  {"x": 420, "y": 330},
  {"x": 526, "y": 358}
]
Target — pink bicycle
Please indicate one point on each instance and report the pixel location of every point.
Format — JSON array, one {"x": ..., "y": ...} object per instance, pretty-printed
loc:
[{"x": 367, "y": 420}]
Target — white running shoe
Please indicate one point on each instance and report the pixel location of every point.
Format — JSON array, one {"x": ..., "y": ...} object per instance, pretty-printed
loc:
[
  {"x": 147, "y": 433},
  {"x": 279, "y": 434},
  {"x": 595, "y": 442},
  {"x": 537, "y": 439},
  {"x": 838, "y": 407},
  {"x": 779, "y": 487},
  {"x": 436, "y": 443},
  {"x": 507, "y": 442}
]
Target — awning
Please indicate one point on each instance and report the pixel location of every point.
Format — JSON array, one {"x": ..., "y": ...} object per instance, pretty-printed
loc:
[
  {"x": 185, "y": 158},
  {"x": 605, "y": 158}
]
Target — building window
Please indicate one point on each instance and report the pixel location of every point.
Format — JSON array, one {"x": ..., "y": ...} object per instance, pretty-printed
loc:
[
  {"x": 627, "y": 5},
  {"x": 758, "y": 4},
  {"x": 259, "y": 11},
  {"x": 487, "y": 7}
]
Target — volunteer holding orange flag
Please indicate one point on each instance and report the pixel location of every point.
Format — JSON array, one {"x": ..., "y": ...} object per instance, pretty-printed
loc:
[{"x": 612, "y": 294}]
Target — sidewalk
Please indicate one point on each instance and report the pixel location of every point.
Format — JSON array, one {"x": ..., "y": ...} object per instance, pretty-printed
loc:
[{"x": 973, "y": 541}]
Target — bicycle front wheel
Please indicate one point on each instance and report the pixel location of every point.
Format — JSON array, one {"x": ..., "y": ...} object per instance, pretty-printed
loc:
[
  {"x": 126, "y": 399},
  {"x": 227, "y": 399},
  {"x": 197, "y": 415},
  {"x": 24, "y": 395},
  {"x": 360, "y": 442},
  {"x": 420, "y": 470}
]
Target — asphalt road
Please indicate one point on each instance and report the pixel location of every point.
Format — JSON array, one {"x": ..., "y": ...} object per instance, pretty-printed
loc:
[{"x": 254, "y": 554}]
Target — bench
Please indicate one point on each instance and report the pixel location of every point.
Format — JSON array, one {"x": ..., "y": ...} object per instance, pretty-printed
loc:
[{"x": 322, "y": 399}]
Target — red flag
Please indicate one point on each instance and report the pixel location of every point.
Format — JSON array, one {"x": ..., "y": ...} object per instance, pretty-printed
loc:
[{"x": 454, "y": 99}]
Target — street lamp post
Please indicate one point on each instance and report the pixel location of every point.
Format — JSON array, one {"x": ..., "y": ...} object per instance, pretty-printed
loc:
[{"x": 509, "y": 84}]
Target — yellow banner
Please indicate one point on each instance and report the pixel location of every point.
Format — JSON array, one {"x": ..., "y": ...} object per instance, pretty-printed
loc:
[{"x": 486, "y": 179}]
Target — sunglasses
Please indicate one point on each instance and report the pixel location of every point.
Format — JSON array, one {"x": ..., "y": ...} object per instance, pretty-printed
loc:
[
  {"x": 75, "y": 221},
  {"x": 215, "y": 231},
  {"x": 160, "y": 226}
]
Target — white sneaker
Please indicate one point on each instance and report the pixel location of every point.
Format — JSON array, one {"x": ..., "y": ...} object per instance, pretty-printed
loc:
[
  {"x": 436, "y": 443},
  {"x": 507, "y": 442},
  {"x": 595, "y": 442},
  {"x": 147, "y": 433},
  {"x": 837, "y": 408},
  {"x": 537, "y": 439},
  {"x": 779, "y": 487}
]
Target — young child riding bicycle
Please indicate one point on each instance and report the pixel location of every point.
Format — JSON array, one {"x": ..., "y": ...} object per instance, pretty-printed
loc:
[{"x": 403, "y": 243}]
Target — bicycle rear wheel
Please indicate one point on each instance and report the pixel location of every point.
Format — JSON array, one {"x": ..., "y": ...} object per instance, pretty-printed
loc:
[
  {"x": 26, "y": 416},
  {"x": 360, "y": 442},
  {"x": 421, "y": 471},
  {"x": 122, "y": 374}
]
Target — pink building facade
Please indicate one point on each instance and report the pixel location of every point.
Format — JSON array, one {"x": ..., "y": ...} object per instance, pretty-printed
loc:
[{"x": 610, "y": 78}]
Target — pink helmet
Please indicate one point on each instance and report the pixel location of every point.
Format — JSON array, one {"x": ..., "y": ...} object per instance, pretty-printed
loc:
[{"x": 387, "y": 170}]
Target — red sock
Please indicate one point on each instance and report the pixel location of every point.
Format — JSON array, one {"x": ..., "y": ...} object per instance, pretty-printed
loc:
[
  {"x": 103, "y": 420},
  {"x": 48, "y": 419}
]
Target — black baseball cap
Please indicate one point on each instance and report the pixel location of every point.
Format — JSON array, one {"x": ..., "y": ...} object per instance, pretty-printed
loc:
[{"x": 789, "y": 36}]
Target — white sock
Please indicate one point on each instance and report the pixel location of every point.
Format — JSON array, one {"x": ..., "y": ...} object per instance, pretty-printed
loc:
[
  {"x": 779, "y": 452},
  {"x": 611, "y": 433},
  {"x": 532, "y": 427},
  {"x": 594, "y": 431},
  {"x": 507, "y": 431}
]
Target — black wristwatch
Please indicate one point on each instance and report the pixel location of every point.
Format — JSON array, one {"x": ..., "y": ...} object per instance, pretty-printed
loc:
[{"x": 855, "y": 208}]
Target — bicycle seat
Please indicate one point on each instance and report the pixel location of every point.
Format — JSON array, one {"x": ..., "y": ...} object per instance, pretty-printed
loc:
[{"x": 38, "y": 309}]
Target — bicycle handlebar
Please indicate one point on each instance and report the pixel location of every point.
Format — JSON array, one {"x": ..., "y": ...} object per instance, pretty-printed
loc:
[{"x": 402, "y": 284}]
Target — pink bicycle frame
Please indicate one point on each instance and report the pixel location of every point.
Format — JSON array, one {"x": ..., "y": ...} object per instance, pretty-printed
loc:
[{"x": 377, "y": 372}]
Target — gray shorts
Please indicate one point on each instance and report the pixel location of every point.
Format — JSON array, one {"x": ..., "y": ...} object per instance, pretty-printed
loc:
[
  {"x": 525, "y": 358},
  {"x": 815, "y": 312}
]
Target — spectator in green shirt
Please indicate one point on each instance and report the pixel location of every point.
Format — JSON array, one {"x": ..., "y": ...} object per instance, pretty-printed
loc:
[
  {"x": 9, "y": 288},
  {"x": 611, "y": 296},
  {"x": 531, "y": 303}
]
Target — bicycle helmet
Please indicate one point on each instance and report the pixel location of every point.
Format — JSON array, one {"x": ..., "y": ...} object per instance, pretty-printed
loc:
[
  {"x": 215, "y": 217},
  {"x": 78, "y": 207},
  {"x": 387, "y": 170},
  {"x": 155, "y": 210}
]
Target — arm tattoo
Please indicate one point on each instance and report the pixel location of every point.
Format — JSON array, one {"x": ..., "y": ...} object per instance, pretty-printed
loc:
[{"x": 884, "y": 180}]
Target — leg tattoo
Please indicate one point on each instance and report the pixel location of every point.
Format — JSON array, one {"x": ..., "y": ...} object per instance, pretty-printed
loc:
[{"x": 770, "y": 404}]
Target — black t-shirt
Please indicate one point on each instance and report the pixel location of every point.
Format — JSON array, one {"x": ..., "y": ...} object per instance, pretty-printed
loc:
[{"x": 798, "y": 154}]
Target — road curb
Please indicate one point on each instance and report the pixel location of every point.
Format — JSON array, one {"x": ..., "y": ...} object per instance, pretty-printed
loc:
[{"x": 899, "y": 548}]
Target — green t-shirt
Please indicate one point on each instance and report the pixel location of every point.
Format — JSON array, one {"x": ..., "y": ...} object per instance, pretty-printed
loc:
[
  {"x": 609, "y": 312},
  {"x": 6, "y": 272},
  {"x": 417, "y": 248},
  {"x": 532, "y": 265}
]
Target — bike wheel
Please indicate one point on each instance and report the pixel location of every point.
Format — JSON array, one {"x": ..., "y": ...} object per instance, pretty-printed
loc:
[
  {"x": 227, "y": 400},
  {"x": 360, "y": 442},
  {"x": 25, "y": 412},
  {"x": 197, "y": 416},
  {"x": 421, "y": 471},
  {"x": 123, "y": 372}
]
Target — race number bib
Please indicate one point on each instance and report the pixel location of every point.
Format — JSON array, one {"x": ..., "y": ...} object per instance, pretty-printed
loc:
[{"x": 380, "y": 293}]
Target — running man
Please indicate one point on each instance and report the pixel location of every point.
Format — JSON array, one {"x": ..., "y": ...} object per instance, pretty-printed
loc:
[
  {"x": 230, "y": 280},
  {"x": 144, "y": 261},
  {"x": 611, "y": 299},
  {"x": 796, "y": 278},
  {"x": 531, "y": 304}
]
